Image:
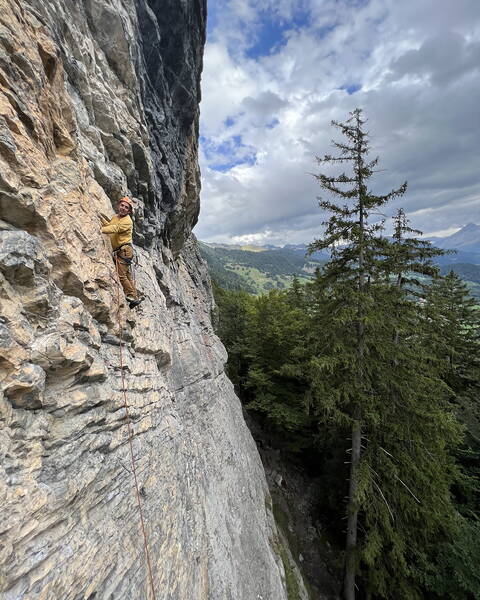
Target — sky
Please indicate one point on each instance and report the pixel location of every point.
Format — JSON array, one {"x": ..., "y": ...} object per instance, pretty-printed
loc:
[{"x": 277, "y": 72}]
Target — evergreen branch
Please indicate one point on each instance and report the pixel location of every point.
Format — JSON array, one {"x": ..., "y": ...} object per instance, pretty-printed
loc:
[
  {"x": 340, "y": 210},
  {"x": 345, "y": 148},
  {"x": 384, "y": 499},
  {"x": 343, "y": 178},
  {"x": 406, "y": 486},
  {"x": 387, "y": 453},
  {"x": 392, "y": 194},
  {"x": 327, "y": 158},
  {"x": 333, "y": 189}
]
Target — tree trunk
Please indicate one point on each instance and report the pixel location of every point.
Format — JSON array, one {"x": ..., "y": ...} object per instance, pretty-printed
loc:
[
  {"x": 352, "y": 509},
  {"x": 351, "y": 543}
]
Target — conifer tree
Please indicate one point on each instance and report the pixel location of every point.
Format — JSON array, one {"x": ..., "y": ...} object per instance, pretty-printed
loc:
[
  {"x": 454, "y": 335},
  {"x": 233, "y": 310},
  {"x": 296, "y": 294},
  {"x": 353, "y": 243},
  {"x": 276, "y": 376},
  {"x": 453, "y": 317},
  {"x": 365, "y": 376},
  {"x": 407, "y": 256}
]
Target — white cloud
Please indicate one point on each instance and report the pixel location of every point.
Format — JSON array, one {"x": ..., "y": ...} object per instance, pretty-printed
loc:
[{"x": 417, "y": 67}]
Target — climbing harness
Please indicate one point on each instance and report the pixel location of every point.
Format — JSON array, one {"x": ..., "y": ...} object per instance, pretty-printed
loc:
[
  {"x": 121, "y": 246},
  {"x": 130, "y": 433},
  {"x": 127, "y": 261}
]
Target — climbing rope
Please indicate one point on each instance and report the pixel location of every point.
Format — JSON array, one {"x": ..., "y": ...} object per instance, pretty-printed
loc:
[{"x": 130, "y": 435}]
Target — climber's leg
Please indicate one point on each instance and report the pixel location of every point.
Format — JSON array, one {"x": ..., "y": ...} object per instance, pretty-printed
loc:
[{"x": 124, "y": 257}]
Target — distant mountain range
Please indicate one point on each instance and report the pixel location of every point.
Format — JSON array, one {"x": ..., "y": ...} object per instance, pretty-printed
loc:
[
  {"x": 467, "y": 238},
  {"x": 465, "y": 242},
  {"x": 257, "y": 269}
]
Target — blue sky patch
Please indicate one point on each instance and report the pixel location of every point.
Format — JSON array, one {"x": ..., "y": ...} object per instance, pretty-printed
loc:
[
  {"x": 272, "y": 124},
  {"x": 271, "y": 33},
  {"x": 230, "y": 153},
  {"x": 212, "y": 21},
  {"x": 351, "y": 88},
  {"x": 223, "y": 167}
]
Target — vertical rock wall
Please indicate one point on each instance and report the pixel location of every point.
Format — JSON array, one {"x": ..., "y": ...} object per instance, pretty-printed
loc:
[{"x": 99, "y": 98}]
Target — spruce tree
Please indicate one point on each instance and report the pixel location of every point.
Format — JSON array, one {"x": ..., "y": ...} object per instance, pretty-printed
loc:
[
  {"x": 233, "y": 311},
  {"x": 454, "y": 337},
  {"x": 276, "y": 377},
  {"x": 408, "y": 257},
  {"x": 366, "y": 376},
  {"x": 353, "y": 243},
  {"x": 456, "y": 332},
  {"x": 453, "y": 317}
]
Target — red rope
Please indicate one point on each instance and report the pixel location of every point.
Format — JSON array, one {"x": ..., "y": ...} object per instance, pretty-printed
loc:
[{"x": 130, "y": 436}]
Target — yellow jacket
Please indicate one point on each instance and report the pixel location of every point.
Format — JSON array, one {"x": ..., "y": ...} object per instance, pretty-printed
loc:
[{"x": 119, "y": 229}]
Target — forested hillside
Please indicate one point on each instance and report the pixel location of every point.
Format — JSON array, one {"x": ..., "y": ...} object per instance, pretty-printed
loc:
[
  {"x": 370, "y": 375},
  {"x": 258, "y": 271},
  {"x": 277, "y": 343},
  {"x": 469, "y": 272}
]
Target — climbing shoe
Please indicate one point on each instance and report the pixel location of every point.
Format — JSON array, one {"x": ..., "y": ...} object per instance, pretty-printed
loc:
[{"x": 133, "y": 302}]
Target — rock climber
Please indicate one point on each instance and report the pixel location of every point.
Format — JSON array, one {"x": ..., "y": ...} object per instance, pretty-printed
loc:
[{"x": 120, "y": 228}]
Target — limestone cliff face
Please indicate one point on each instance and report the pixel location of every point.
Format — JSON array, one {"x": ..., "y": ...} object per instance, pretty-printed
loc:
[{"x": 99, "y": 98}]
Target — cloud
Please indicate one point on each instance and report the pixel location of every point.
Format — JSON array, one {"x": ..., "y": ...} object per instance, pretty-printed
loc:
[
  {"x": 443, "y": 59},
  {"x": 267, "y": 108},
  {"x": 263, "y": 107}
]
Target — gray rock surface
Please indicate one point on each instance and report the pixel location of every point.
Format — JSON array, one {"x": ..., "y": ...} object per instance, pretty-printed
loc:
[{"x": 99, "y": 98}]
